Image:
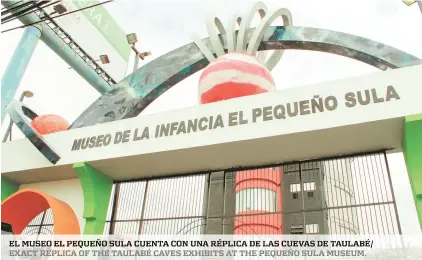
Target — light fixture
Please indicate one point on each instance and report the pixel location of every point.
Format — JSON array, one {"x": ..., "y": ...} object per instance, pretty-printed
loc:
[
  {"x": 28, "y": 93},
  {"x": 104, "y": 59},
  {"x": 60, "y": 9},
  {"x": 409, "y": 2},
  {"x": 144, "y": 54},
  {"x": 132, "y": 38},
  {"x": 148, "y": 53}
]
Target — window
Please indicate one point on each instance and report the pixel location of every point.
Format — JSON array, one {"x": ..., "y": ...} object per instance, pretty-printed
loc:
[
  {"x": 295, "y": 195},
  {"x": 297, "y": 230},
  {"x": 256, "y": 199},
  {"x": 295, "y": 187},
  {"x": 309, "y": 186},
  {"x": 312, "y": 229},
  {"x": 310, "y": 194}
]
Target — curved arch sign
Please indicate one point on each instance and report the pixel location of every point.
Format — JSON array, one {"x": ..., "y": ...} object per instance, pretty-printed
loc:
[{"x": 134, "y": 93}]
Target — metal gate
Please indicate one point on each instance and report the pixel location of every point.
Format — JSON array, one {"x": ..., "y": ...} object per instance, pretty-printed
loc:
[{"x": 344, "y": 195}]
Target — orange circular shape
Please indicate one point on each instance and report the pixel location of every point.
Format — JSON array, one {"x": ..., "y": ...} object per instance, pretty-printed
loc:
[
  {"x": 234, "y": 75},
  {"x": 20, "y": 208},
  {"x": 48, "y": 124}
]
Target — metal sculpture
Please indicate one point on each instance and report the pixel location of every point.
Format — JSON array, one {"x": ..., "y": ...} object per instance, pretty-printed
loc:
[
  {"x": 23, "y": 206},
  {"x": 22, "y": 116},
  {"x": 135, "y": 92},
  {"x": 239, "y": 71},
  {"x": 237, "y": 42}
]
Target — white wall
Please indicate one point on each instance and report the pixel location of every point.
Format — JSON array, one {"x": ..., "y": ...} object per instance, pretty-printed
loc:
[
  {"x": 69, "y": 191},
  {"x": 403, "y": 194}
]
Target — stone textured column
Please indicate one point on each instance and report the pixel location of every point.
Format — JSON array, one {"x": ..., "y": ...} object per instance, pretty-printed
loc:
[
  {"x": 215, "y": 209},
  {"x": 229, "y": 203},
  {"x": 220, "y": 203}
]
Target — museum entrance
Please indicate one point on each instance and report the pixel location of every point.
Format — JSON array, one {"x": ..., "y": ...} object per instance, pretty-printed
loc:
[{"x": 348, "y": 195}]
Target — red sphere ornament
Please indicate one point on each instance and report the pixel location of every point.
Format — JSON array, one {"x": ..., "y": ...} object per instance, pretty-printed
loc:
[
  {"x": 234, "y": 75},
  {"x": 48, "y": 124}
]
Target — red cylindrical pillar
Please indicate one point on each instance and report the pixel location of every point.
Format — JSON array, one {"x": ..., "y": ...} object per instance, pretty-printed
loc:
[
  {"x": 258, "y": 192},
  {"x": 237, "y": 75}
]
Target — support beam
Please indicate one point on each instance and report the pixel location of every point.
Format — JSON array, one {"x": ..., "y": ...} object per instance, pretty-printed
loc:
[
  {"x": 7, "y": 188},
  {"x": 96, "y": 188},
  {"x": 17, "y": 65},
  {"x": 52, "y": 40},
  {"x": 215, "y": 204},
  {"x": 412, "y": 149},
  {"x": 229, "y": 203},
  {"x": 221, "y": 203}
]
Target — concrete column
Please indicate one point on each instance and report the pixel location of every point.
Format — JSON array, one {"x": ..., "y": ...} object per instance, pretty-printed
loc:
[
  {"x": 215, "y": 203},
  {"x": 229, "y": 203},
  {"x": 17, "y": 66},
  {"x": 205, "y": 205},
  {"x": 96, "y": 188},
  {"x": 412, "y": 150}
]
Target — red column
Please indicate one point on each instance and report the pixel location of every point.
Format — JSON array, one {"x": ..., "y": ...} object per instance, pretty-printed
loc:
[{"x": 257, "y": 192}]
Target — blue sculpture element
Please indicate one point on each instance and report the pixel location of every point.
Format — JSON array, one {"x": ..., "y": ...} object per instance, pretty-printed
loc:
[
  {"x": 22, "y": 116},
  {"x": 61, "y": 48},
  {"x": 17, "y": 65}
]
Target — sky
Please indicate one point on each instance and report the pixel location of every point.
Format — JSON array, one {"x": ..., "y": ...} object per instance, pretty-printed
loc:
[{"x": 162, "y": 26}]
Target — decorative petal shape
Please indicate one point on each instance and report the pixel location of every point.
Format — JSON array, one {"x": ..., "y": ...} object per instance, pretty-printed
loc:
[
  {"x": 259, "y": 7},
  {"x": 239, "y": 45},
  {"x": 259, "y": 33}
]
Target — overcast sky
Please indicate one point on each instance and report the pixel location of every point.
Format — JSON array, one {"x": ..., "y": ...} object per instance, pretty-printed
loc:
[{"x": 162, "y": 26}]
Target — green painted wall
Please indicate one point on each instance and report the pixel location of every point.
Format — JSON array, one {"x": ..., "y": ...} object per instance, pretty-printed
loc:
[
  {"x": 7, "y": 188},
  {"x": 412, "y": 149},
  {"x": 96, "y": 188}
]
